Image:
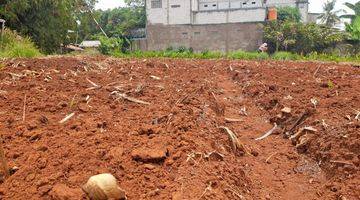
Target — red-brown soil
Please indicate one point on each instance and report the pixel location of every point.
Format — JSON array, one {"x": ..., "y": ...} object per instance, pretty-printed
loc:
[{"x": 163, "y": 150}]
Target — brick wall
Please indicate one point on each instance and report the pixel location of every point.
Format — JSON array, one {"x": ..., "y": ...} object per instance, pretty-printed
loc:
[{"x": 214, "y": 37}]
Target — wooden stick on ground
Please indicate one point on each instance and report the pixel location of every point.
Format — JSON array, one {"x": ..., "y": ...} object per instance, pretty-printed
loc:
[
  {"x": 235, "y": 142},
  {"x": 24, "y": 109},
  {"x": 67, "y": 118},
  {"x": 124, "y": 96},
  {"x": 4, "y": 165},
  {"x": 316, "y": 71},
  {"x": 267, "y": 134},
  {"x": 268, "y": 159},
  {"x": 302, "y": 118}
]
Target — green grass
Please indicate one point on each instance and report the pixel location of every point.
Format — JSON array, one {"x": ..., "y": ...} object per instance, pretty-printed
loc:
[
  {"x": 14, "y": 46},
  {"x": 237, "y": 55}
]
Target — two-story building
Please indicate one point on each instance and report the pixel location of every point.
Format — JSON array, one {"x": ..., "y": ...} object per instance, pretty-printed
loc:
[{"x": 218, "y": 25}]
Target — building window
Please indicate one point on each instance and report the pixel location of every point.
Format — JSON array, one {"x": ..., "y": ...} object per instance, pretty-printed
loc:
[
  {"x": 205, "y": 5},
  {"x": 156, "y": 3},
  {"x": 175, "y": 6},
  {"x": 253, "y": 2}
]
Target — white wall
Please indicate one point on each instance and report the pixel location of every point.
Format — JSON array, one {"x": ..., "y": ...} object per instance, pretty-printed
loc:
[
  {"x": 193, "y": 11},
  {"x": 171, "y": 12},
  {"x": 179, "y": 12},
  {"x": 232, "y": 16},
  {"x": 156, "y": 15}
]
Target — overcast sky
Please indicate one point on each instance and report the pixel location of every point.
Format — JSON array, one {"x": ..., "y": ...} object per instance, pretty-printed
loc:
[{"x": 315, "y": 5}]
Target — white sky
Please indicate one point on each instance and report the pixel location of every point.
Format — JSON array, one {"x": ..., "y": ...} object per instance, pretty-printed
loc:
[{"x": 315, "y": 5}]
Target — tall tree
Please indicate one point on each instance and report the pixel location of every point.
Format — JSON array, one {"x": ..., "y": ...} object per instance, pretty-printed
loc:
[
  {"x": 46, "y": 21},
  {"x": 355, "y": 8},
  {"x": 330, "y": 16},
  {"x": 135, "y": 3}
]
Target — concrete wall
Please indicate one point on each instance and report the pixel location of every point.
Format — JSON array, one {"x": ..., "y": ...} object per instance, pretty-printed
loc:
[
  {"x": 230, "y": 16},
  {"x": 214, "y": 37},
  {"x": 175, "y": 12}
]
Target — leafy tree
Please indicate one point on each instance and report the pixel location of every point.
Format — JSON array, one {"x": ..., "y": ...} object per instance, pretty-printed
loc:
[
  {"x": 300, "y": 38},
  {"x": 330, "y": 17},
  {"x": 135, "y": 3},
  {"x": 354, "y": 29},
  {"x": 289, "y": 13},
  {"x": 356, "y": 8},
  {"x": 46, "y": 21}
]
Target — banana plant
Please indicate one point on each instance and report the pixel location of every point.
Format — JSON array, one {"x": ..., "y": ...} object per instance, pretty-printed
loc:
[{"x": 355, "y": 8}]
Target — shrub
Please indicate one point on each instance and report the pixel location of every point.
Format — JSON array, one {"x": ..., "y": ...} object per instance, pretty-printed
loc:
[
  {"x": 14, "y": 46},
  {"x": 110, "y": 45},
  {"x": 282, "y": 55},
  {"x": 248, "y": 55},
  {"x": 300, "y": 38},
  {"x": 288, "y": 13}
]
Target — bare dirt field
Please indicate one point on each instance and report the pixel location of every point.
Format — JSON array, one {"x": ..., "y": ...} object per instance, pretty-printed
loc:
[{"x": 181, "y": 129}]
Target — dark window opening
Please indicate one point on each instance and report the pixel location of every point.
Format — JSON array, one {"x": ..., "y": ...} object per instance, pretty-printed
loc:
[
  {"x": 175, "y": 6},
  {"x": 156, "y": 3},
  {"x": 253, "y": 2}
]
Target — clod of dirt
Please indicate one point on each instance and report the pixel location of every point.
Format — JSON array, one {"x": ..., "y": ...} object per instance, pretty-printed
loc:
[
  {"x": 286, "y": 110},
  {"x": 63, "y": 192},
  {"x": 43, "y": 119},
  {"x": 149, "y": 166},
  {"x": 149, "y": 155},
  {"x": 148, "y": 130},
  {"x": 116, "y": 153},
  {"x": 83, "y": 107}
]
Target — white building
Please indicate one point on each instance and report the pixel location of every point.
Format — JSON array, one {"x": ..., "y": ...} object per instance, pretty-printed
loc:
[{"x": 198, "y": 19}]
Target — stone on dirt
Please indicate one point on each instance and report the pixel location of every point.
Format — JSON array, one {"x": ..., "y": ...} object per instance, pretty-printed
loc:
[{"x": 149, "y": 155}]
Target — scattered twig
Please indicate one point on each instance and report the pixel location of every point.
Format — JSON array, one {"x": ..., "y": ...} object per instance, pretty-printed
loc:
[
  {"x": 243, "y": 111},
  {"x": 324, "y": 124},
  {"x": 233, "y": 120},
  {"x": 155, "y": 78},
  {"x": 268, "y": 159},
  {"x": 267, "y": 134},
  {"x": 314, "y": 101},
  {"x": 4, "y": 165},
  {"x": 298, "y": 121},
  {"x": 95, "y": 86},
  {"x": 124, "y": 96},
  {"x": 341, "y": 162},
  {"x": 24, "y": 109},
  {"x": 236, "y": 144},
  {"x": 357, "y": 117},
  {"x": 207, "y": 189},
  {"x": 67, "y": 118},
  {"x": 316, "y": 71}
]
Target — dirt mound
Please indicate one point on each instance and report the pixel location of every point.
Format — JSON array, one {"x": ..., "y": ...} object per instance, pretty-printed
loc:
[{"x": 158, "y": 126}]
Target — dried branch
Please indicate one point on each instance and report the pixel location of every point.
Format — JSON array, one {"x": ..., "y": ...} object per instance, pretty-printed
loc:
[
  {"x": 236, "y": 144},
  {"x": 267, "y": 134},
  {"x": 124, "y": 96},
  {"x": 233, "y": 120},
  {"x": 67, "y": 118},
  {"x": 24, "y": 109}
]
